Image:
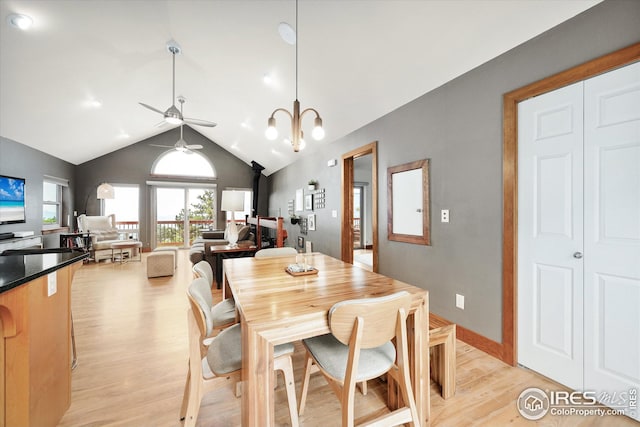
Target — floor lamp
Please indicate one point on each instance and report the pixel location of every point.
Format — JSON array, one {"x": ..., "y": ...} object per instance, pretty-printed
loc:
[{"x": 232, "y": 201}]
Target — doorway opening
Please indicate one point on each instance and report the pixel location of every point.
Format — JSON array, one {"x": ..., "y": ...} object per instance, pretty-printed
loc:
[{"x": 359, "y": 222}]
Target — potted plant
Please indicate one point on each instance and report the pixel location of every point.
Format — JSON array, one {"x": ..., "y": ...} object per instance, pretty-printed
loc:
[{"x": 312, "y": 184}]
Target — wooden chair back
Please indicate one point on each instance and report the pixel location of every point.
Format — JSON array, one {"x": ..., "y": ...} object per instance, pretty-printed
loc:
[
  {"x": 203, "y": 269},
  {"x": 201, "y": 301},
  {"x": 378, "y": 317},
  {"x": 272, "y": 252}
]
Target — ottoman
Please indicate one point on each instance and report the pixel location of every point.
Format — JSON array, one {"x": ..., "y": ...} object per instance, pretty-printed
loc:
[
  {"x": 173, "y": 249},
  {"x": 160, "y": 263}
]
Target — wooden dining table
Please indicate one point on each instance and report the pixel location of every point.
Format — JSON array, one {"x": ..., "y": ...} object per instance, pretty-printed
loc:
[{"x": 276, "y": 307}]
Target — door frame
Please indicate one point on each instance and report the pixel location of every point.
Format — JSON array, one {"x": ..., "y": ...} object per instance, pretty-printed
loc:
[
  {"x": 506, "y": 351},
  {"x": 346, "y": 222}
]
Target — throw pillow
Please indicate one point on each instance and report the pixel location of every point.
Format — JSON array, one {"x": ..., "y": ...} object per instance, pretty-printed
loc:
[{"x": 243, "y": 232}]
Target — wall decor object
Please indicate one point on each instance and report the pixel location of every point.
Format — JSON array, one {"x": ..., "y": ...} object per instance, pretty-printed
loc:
[
  {"x": 408, "y": 202},
  {"x": 318, "y": 199},
  {"x": 299, "y": 200},
  {"x": 308, "y": 202},
  {"x": 290, "y": 207},
  {"x": 300, "y": 242},
  {"x": 311, "y": 222},
  {"x": 303, "y": 225}
]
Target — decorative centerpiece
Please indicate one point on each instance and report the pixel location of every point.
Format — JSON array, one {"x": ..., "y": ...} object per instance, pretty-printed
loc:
[{"x": 301, "y": 268}]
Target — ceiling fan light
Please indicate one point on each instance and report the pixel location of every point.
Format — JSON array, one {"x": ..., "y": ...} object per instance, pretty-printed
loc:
[
  {"x": 271, "y": 133},
  {"x": 173, "y": 120},
  {"x": 318, "y": 131}
]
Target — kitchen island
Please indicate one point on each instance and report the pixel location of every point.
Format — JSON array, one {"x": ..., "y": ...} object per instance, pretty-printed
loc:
[{"x": 35, "y": 326}]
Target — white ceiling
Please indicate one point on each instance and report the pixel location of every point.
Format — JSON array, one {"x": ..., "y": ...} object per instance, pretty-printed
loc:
[{"x": 358, "y": 60}]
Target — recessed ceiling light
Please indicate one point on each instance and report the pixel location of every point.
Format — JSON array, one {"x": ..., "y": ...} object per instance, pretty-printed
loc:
[
  {"x": 266, "y": 78},
  {"x": 93, "y": 103},
  {"x": 287, "y": 33},
  {"x": 20, "y": 21}
]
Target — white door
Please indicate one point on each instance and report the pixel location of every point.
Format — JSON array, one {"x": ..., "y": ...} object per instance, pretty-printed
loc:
[
  {"x": 612, "y": 235},
  {"x": 550, "y": 230}
]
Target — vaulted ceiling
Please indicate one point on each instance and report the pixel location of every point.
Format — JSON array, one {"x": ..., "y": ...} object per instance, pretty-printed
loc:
[{"x": 70, "y": 85}]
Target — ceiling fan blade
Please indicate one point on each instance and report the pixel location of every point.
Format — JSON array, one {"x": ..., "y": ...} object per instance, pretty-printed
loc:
[
  {"x": 199, "y": 122},
  {"x": 160, "y": 124},
  {"x": 194, "y": 147},
  {"x": 151, "y": 108},
  {"x": 162, "y": 146}
]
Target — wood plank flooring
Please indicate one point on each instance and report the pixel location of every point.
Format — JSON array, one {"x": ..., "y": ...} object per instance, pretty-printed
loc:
[{"x": 131, "y": 336}]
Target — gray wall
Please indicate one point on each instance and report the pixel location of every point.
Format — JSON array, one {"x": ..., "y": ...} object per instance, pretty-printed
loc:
[
  {"x": 24, "y": 162},
  {"x": 132, "y": 165},
  {"x": 459, "y": 127}
]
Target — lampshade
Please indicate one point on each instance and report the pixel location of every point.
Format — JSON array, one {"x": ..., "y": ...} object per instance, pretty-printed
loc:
[
  {"x": 232, "y": 201},
  {"x": 105, "y": 191}
]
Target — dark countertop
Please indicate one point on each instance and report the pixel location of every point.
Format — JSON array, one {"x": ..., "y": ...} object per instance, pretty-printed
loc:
[{"x": 16, "y": 270}]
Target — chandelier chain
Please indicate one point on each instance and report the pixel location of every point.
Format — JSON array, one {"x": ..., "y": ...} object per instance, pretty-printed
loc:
[{"x": 297, "y": 41}]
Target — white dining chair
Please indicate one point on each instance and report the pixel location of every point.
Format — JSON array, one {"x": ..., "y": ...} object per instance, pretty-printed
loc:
[
  {"x": 360, "y": 348},
  {"x": 223, "y": 314},
  {"x": 274, "y": 252},
  {"x": 216, "y": 362}
]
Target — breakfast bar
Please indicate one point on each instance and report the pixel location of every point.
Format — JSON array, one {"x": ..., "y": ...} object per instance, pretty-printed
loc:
[{"x": 35, "y": 326}]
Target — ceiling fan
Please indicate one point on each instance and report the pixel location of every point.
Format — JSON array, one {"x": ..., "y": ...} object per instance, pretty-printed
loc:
[
  {"x": 181, "y": 144},
  {"x": 172, "y": 115}
]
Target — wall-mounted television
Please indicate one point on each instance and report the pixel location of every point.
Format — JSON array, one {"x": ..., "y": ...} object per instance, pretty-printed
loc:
[{"x": 12, "y": 206}]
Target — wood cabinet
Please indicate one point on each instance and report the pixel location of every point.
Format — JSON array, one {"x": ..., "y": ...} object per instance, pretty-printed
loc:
[{"x": 35, "y": 356}]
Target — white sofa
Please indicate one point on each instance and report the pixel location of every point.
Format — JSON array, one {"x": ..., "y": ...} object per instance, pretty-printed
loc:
[{"x": 103, "y": 232}]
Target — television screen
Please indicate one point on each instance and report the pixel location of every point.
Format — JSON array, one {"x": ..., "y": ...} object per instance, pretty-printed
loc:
[{"x": 12, "y": 207}]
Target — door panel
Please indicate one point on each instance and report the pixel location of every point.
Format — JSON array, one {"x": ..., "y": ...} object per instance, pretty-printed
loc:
[
  {"x": 553, "y": 288},
  {"x": 612, "y": 231},
  {"x": 550, "y": 297}
]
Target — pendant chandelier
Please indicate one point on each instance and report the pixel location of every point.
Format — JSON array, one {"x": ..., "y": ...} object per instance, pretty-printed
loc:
[{"x": 297, "y": 135}]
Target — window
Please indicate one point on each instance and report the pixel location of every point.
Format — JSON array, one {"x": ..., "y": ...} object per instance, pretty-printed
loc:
[
  {"x": 187, "y": 164},
  {"x": 51, "y": 204},
  {"x": 125, "y": 206},
  {"x": 248, "y": 205}
]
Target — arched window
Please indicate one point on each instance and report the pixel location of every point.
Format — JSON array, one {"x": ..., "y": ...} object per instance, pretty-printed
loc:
[{"x": 183, "y": 164}]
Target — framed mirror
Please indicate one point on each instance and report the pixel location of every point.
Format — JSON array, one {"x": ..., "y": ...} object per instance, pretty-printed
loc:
[{"x": 408, "y": 202}]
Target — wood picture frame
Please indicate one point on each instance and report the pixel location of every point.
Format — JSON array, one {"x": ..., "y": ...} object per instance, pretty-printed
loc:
[
  {"x": 408, "y": 203},
  {"x": 308, "y": 202}
]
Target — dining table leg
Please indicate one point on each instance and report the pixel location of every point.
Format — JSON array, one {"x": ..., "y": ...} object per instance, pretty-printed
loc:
[
  {"x": 257, "y": 391},
  {"x": 421, "y": 378}
]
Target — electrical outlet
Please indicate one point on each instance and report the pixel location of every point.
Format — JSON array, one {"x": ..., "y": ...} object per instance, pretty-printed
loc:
[
  {"x": 334, "y": 213},
  {"x": 52, "y": 284},
  {"x": 460, "y": 301},
  {"x": 444, "y": 215}
]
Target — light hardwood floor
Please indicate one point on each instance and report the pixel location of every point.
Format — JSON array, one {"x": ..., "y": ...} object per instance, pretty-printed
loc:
[{"x": 131, "y": 335}]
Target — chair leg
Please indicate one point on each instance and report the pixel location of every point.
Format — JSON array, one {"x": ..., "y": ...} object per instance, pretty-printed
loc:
[
  {"x": 305, "y": 383},
  {"x": 193, "y": 405},
  {"x": 185, "y": 395},
  {"x": 363, "y": 387},
  {"x": 285, "y": 365}
]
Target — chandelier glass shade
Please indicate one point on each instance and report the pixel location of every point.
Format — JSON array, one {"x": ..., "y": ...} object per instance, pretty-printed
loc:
[{"x": 297, "y": 140}]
